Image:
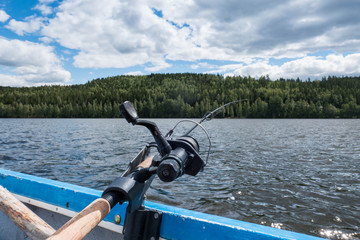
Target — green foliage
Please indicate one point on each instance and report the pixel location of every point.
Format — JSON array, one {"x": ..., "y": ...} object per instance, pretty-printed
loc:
[{"x": 187, "y": 95}]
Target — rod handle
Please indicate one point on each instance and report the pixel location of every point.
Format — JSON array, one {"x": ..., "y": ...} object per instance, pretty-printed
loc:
[{"x": 146, "y": 163}]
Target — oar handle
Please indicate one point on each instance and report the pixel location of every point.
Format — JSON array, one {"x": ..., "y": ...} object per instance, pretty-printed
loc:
[
  {"x": 31, "y": 224},
  {"x": 80, "y": 225}
]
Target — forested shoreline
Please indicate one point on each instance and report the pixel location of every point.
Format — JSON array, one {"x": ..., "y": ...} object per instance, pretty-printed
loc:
[{"x": 187, "y": 96}]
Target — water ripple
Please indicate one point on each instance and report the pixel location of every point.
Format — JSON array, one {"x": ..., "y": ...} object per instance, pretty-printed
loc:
[{"x": 299, "y": 175}]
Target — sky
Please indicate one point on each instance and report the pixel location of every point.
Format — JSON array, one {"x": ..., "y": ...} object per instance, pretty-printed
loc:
[{"x": 45, "y": 42}]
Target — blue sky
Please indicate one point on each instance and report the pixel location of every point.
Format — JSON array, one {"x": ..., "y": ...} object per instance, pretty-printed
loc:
[{"x": 74, "y": 41}]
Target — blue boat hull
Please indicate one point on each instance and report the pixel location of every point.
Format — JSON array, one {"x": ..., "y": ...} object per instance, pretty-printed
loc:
[{"x": 176, "y": 223}]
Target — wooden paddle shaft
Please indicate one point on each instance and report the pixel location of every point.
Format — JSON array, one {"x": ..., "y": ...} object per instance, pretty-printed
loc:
[
  {"x": 31, "y": 224},
  {"x": 80, "y": 225}
]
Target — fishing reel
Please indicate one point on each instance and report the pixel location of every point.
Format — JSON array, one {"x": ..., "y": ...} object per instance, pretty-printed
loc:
[{"x": 177, "y": 156}]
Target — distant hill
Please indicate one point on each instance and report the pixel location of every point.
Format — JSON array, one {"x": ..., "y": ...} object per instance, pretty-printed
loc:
[{"x": 187, "y": 96}]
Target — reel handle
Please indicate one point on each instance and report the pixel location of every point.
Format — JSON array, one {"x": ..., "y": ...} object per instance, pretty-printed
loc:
[{"x": 130, "y": 114}]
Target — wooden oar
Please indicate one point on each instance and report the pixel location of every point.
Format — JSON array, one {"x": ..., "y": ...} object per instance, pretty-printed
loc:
[
  {"x": 31, "y": 224},
  {"x": 80, "y": 225}
]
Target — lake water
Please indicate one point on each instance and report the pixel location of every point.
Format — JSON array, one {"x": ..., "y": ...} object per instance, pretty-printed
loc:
[{"x": 299, "y": 175}]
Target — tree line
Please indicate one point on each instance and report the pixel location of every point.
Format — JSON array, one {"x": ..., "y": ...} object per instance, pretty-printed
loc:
[{"x": 187, "y": 96}]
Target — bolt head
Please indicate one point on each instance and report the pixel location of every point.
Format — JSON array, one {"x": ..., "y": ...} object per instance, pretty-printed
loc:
[{"x": 117, "y": 219}]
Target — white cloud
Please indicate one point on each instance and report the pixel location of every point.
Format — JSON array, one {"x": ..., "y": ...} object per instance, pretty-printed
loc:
[
  {"x": 46, "y": 40},
  {"x": 136, "y": 73},
  {"x": 30, "y": 64},
  {"x": 121, "y": 34},
  {"x": 225, "y": 68},
  {"x": 233, "y": 30},
  {"x": 158, "y": 64},
  {"x": 201, "y": 65},
  {"x": 310, "y": 66},
  {"x": 30, "y": 25},
  {"x": 204, "y": 65},
  {"x": 128, "y": 33},
  {"x": 11, "y": 80},
  {"x": 44, "y": 9},
  {"x": 3, "y": 16}
]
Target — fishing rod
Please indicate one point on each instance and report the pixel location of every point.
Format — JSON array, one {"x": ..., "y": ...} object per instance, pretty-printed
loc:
[
  {"x": 176, "y": 156},
  {"x": 207, "y": 117}
]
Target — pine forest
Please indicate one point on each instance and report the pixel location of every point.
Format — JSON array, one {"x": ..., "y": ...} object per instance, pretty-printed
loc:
[{"x": 187, "y": 96}]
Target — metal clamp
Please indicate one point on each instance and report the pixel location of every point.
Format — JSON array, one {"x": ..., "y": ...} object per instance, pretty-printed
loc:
[{"x": 140, "y": 223}]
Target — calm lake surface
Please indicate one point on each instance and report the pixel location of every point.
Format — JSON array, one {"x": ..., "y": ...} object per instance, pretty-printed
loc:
[{"x": 298, "y": 175}]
